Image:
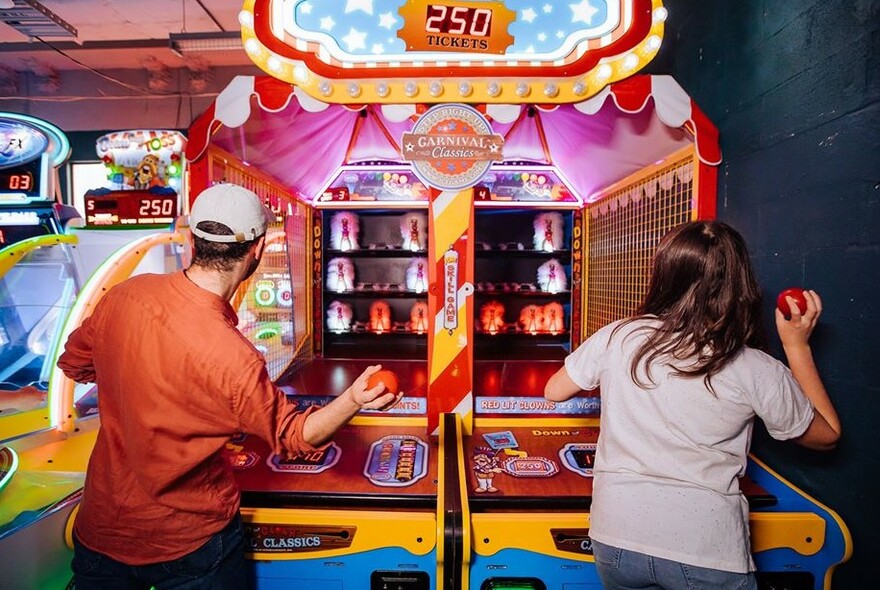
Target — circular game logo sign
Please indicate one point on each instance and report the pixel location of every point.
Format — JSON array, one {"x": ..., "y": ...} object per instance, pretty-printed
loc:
[{"x": 451, "y": 147}]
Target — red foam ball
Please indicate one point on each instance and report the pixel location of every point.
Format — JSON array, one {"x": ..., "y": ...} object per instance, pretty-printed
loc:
[
  {"x": 795, "y": 293},
  {"x": 388, "y": 378}
]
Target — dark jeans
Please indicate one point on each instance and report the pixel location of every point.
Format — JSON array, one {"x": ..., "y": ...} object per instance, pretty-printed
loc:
[{"x": 217, "y": 565}]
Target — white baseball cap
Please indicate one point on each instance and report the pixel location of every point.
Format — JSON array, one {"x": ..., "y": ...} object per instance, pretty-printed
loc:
[{"x": 236, "y": 207}]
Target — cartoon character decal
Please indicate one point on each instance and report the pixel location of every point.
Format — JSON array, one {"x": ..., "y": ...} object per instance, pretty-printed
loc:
[
  {"x": 146, "y": 174},
  {"x": 486, "y": 465}
]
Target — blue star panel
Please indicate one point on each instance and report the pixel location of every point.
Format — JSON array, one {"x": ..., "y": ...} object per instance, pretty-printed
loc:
[{"x": 368, "y": 28}]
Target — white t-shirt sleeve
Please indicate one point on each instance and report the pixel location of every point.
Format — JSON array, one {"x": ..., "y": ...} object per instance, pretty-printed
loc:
[
  {"x": 780, "y": 402},
  {"x": 585, "y": 364}
]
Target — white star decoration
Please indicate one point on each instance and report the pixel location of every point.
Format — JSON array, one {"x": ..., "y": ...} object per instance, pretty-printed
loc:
[
  {"x": 583, "y": 12},
  {"x": 529, "y": 15},
  {"x": 306, "y": 8},
  {"x": 377, "y": 48},
  {"x": 542, "y": 37},
  {"x": 560, "y": 34},
  {"x": 409, "y": 147},
  {"x": 354, "y": 40},
  {"x": 547, "y": 8},
  {"x": 365, "y": 5},
  {"x": 387, "y": 20},
  {"x": 327, "y": 23}
]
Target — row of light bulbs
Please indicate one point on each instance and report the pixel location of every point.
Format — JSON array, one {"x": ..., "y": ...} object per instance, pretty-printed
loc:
[{"x": 602, "y": 73}]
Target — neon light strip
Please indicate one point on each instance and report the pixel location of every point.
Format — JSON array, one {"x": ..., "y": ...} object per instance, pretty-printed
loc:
[
  {"x": 12, "y": 468},
  {"x": 105, "y": 276},
  {"x": 10, "y": 255}
]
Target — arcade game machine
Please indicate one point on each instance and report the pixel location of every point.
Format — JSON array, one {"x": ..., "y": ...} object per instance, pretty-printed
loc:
[
  {"x": 46, "y": 465},
  {"x": 547, "y": 171},
  {"x": 145, "y": 178},
  {"x": 42, "y": 274},
  {"x": 330, "y": 298},
  {"x": 31, "y": 150},
  {"x": 37, "y": 282}
]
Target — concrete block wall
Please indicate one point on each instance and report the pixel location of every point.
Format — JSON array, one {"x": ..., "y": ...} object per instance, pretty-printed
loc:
[{"x": 793, "y": 87}]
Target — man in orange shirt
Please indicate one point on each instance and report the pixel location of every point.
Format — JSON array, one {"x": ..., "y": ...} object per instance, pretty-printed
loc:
[{"x": 176, "y": 381}]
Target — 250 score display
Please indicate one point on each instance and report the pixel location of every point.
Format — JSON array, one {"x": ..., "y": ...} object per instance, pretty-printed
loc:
[
  {"x": 458, "y": 20},
  {"x": 156, "y": 207}
]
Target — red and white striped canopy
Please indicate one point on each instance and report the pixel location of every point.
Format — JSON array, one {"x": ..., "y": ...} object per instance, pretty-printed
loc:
[{"x": 301, "y": 141}]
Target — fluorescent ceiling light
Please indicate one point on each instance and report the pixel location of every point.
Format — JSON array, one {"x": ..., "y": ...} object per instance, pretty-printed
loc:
[
  {"x": 32, "y": 19},
  {"x": 193, "y": 43}
]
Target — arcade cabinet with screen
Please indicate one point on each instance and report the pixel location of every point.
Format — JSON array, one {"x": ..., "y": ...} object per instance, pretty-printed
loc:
[
  {"x": 37, "y": 283},
  {"x": 31, "y": 150},
  {"x": 47, "y": 452},
  {"x": 542, "y": 172},
  {"x": 145, "y": 178}
]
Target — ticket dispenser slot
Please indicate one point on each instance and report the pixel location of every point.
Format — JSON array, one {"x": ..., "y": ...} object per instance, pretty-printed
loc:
[
  {"x": 385, "y": 580},
  {"x": 513, "y": 584}
]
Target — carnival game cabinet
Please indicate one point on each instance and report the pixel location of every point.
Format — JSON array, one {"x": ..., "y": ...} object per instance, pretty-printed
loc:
[
  {"x": 362, "y": 512},
  {"x": 35, "y": 277},
  {"x": 797, "y": 541},
  {"x": 529, "y": 461},
  {"x": 141, "y": 196},
  {"x": 31, "y": 150},
  {"x": 635, "y": 152}
]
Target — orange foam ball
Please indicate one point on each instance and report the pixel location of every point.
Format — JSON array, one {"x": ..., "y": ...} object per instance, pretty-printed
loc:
[{"x": 389, "y": 378}]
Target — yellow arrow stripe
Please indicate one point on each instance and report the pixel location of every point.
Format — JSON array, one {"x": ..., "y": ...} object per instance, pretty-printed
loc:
[
  {"x": 446, "y": 345},
  {"x": 451, "y": 212}
]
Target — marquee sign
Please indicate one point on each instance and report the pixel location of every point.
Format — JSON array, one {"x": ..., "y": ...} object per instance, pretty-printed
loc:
[
  {"x": 429, "y": 51},
  {"x": 451, "y": 147}
]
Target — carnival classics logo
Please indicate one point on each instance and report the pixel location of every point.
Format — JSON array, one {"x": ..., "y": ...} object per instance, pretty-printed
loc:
[{"x": 451, "y": 147}]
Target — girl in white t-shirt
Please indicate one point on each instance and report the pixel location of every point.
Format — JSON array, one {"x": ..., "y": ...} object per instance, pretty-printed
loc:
[{"x": 682, "y": 381}]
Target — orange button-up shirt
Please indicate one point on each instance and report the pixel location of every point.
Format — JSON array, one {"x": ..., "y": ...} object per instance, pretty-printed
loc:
[{"x": 175, "y": 380}]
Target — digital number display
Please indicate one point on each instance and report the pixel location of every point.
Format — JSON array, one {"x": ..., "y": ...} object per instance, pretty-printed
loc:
[
  {"x": 458, "y": 20},
  {"x": 23, "y": 182},
  {"x": 23, "y": 179},
  {"x": 128, "y": 208},
  {"x": 457, "y": 26},
  {"x": 157, "y": 207}
]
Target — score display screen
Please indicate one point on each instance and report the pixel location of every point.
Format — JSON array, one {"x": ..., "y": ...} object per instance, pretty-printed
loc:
[
  {"x": 130, "y": 208},
  {"x": 16, "y": 182},
  {"x": 458, "y": 20},
  {"x": 457, "y": 26},
  {"x": 23, "y": 179}
]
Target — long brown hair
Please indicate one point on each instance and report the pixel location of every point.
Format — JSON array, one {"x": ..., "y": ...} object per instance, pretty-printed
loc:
[{"x": 704, "y": 293}]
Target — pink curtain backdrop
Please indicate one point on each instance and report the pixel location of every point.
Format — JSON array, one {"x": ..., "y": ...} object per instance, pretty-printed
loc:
[{"x": 303, "y": 149}]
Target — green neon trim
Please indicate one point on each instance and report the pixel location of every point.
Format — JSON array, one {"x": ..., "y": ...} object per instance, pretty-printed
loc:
[{"x": 12, "y": 468}]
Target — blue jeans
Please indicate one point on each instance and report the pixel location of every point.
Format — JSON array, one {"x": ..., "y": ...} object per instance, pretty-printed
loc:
[
  {"x": 621, "y": 569},
  {"x": 217, "y": 565}
]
